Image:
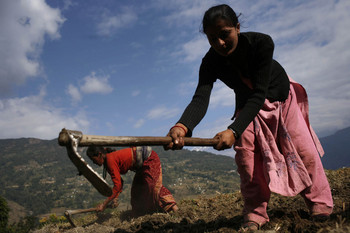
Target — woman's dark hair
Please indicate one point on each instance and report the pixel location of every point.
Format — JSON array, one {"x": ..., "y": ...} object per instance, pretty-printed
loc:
[
  {"x": 214, "y": 13},
  {"x": 93, "y": 151}
]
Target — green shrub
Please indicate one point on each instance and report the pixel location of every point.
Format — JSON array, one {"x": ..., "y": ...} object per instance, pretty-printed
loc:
[{"x": 4, "y": 214}]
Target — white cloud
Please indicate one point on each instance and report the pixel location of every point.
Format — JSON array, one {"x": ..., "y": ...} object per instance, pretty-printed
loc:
[
  {"x": 311, "y": 43},
  {"x": 24, "y": 25},
  {"x": 162, "y": 112},
  {"x": 67, "y": 4},
  {"x": 187, "y": 88},
  {"x": 139, "y": 123},
  {"x": 325, "y": 111},
  {"x": 74, "y": 93},
  {"x": 222, "y": 96},
  {"x": 195, "y": 49},
  {"x": 184, "y": 13},
  {"x": 160, "y": 38},
  {"x": 96, "y": 84},
  {"x": 135, "y": 93},
  {"x": 158, "y": 113},
  {"x": 91, "y": 84},
  {"x": 109, "y": 23},
  {"x": 32, "y": 116}
]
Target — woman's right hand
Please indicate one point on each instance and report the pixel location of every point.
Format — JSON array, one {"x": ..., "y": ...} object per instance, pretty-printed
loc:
[{"x": 177, "y": 132}]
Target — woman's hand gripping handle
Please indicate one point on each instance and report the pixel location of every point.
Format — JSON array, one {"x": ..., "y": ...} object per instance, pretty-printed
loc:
[
  {"x": 226, "y": 138},
  {"x": 177, "y": 133}
]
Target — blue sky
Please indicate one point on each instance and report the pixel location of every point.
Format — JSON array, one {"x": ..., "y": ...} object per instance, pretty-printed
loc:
[{"x": 129, "y": 68}]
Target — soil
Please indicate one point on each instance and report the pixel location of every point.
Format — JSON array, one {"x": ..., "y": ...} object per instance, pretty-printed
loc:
[{"x": 222, "y": 213}]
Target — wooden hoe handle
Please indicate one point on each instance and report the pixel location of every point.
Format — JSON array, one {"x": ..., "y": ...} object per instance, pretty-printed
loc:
[
  {"x": 69, "y": 213},
  {"x": 88, "y": 140}
]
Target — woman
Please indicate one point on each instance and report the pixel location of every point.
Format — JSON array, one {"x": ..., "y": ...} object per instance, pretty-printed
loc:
[
  {"x": 276, "y": 148},
  {"x": 147, "y": 192}
]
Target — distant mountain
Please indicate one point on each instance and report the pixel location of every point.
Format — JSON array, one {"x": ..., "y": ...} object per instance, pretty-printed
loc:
[
  {"x": 337, "y": 153},
  {"x": 38, "y": 175}
]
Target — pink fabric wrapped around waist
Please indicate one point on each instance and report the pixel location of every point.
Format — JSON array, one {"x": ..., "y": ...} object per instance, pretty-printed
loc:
[
  {"x": 285, "y": 171},
  {"x": 303, "y": 104}
]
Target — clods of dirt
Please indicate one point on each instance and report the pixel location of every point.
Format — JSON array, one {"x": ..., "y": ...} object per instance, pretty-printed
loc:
[{"x": 222, "y": 213}]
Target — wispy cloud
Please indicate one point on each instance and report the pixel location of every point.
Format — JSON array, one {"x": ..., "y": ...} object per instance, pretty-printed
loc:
[
  {"x": 310, "y": 45},
  {"x": 33, "y": 116},
  {"x": 310, "y": 37},
  {"x": 90, "y": 84},
  {"x": 139, "y": 123},
  {"x": 74, "y": 93},
  {"x": 67, "y": 4},
  {"x": 135, "y": 93},
  {"x": 24, "y": 26},
  {"x": 184, "y": 13},
  {"x": 162, "y": 112},
  {"x": 222, "y": 96},
  {"x": 195, "y": 49},
  {"x": 110, "y": 23},
  {"x": 96, "y": 84},
  {"x": 158, "y": 113},
  {"x": 310, "y": 41}
]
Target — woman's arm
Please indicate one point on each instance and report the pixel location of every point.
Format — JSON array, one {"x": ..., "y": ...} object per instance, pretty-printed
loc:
[
  {"x": 264, "y": 48},
  {"x": 117, "y": 181},
  {"x": 195, "y": 110},
  {"x": 198, "y": 106}
]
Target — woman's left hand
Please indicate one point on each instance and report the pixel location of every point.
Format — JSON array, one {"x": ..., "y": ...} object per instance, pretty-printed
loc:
[
  {"x": 226, "y": 140},
  {"x": 100, "y": 208}
]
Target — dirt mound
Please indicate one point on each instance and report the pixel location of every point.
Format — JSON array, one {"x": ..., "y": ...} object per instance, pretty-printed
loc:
[{"x": 222, "y": 213}]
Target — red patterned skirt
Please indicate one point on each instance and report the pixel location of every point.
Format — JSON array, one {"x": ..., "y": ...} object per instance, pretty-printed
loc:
[{"x": 148, "y": 194}]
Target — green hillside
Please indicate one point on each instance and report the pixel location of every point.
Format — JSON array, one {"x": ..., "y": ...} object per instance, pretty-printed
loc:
[{"x": 38, "y": 175}]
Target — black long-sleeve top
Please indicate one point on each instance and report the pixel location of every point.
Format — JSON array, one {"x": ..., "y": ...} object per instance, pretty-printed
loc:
[{"x": 251, "y": 63}]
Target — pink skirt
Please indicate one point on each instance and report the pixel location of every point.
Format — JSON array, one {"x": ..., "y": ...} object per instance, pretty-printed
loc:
[{"x": 279, "y": 152}]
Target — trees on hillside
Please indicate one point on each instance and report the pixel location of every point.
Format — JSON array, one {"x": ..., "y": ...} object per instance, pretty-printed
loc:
[{"x": 4, "y": 214}]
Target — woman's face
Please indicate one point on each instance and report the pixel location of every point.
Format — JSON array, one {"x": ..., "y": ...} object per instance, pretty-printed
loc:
[
  {"x": 99, "y": 160},
  {"x": 222, "y": 37}
]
